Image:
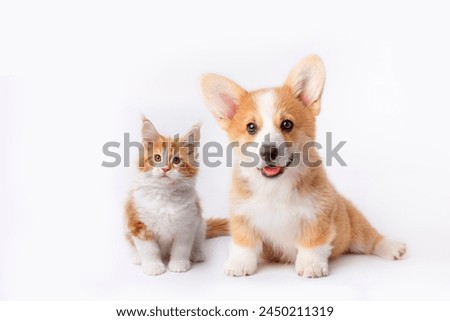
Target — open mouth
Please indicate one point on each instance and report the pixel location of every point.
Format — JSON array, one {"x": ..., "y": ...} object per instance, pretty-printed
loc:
[{"x": 273, "y": 170}]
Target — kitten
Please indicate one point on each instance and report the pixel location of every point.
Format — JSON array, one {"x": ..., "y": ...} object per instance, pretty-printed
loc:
[{"x": 163, "y": 214}]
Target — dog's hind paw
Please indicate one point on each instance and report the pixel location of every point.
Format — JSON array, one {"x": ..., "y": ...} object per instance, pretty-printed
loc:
[{"x": 390, "y": 250}]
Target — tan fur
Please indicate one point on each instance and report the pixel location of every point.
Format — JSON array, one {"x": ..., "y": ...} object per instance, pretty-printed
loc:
[
  {"x": 239, "y": 190},
  {"x": 242, "y": 232},
  {"x": 217, "y": 227},
  {"x": 272, "y": 254},
  {"x": 134, "y": 226},
  {"x": 336, "y": 220}
]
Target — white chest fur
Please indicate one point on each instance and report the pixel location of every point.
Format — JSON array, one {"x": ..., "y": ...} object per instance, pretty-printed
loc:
[
  {"x": 165, "y": 211},
  {"x": 276, "y": 210}
]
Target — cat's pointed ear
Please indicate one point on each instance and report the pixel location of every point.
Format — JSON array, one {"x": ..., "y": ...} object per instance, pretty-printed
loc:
[
  {"x": 221, "y": 96},
  {"x": 193, "y": 134},
  {"x": 149, "y": 132},
  {"x": 191, "y": 139},
  {"x": 307, "y": 80}
]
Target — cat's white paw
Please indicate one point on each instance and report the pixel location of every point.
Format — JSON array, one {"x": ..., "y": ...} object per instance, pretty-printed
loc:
[
  {"x": 390, "y": 250},
  {"x": 311, "y": 269},
  {"x": 197, "y": 256},
  {"x": 240, "y": 267},
  {"x": 154, "y": 268},
  {"x": 179, "y": 265}
]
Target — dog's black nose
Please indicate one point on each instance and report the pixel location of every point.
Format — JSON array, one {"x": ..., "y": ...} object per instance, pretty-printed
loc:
[{"x": 268, "y": 153}]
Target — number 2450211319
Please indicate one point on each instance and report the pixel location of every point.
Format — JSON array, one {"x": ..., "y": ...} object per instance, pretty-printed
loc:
[{"x": 300, "y": 311}]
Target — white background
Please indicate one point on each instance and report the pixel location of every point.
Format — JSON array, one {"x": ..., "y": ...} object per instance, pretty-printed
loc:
[{"x": 77, "y": 74}]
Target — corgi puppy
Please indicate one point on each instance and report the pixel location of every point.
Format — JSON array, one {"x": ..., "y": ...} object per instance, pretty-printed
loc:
[{"x": 281, "y": 208}]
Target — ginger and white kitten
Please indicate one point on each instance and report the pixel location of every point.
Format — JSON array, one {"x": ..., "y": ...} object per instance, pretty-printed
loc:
[{"x": 163, "y": 214}]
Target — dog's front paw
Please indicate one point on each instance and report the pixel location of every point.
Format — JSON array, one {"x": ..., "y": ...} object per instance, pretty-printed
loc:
[
  {"x": 235, "y": 267},
  {"x": 179, "y": 265},
  {"x": 154, "y": 268},
  {"x": 311, "y": 269},
  {"x": 313, "y": 263},
  {"x": 390, "y": 250}
]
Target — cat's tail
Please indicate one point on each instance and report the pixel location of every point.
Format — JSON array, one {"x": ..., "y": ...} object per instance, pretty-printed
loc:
[{"x": 217, "y": 227}]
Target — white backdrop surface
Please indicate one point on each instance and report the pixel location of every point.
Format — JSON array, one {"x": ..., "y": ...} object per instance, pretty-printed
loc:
[{"x": 75, "y": 75}]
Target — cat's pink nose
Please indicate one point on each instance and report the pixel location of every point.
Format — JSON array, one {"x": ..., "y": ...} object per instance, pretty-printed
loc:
[{"x": 165, "y": 169}]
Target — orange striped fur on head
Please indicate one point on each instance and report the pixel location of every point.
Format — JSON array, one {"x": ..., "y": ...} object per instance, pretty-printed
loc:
[{"x": 166, "y": 156}]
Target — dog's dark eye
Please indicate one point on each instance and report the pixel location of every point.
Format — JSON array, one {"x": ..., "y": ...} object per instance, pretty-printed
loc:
[
  {"x": 251, "y": 128},
  {"x": 287, "y": 125},
  {"x": 176, "y": 160},
  {"x": 157, "y": 158}
]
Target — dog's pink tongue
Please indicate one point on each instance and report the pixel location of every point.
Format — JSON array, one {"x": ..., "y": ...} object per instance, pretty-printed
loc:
[{"x": 271, "y": 171}]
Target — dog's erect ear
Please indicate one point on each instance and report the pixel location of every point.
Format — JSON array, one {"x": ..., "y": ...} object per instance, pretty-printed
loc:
[
  {"x": 149, "y": 132},
  {"x": 307, "y": 79},
  {"x": 222, "y": 96}
]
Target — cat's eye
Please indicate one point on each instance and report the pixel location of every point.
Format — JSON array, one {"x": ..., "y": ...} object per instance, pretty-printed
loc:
[
  {"x": 157, "y": 158},
  {"x": 287, "y": 125},
  {"x": 252, "y": 128},
  {"x": 176, "y": 160}
]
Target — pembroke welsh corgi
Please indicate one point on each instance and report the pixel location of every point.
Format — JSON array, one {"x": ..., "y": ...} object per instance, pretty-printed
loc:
[{"x": 284, "y": 209}]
